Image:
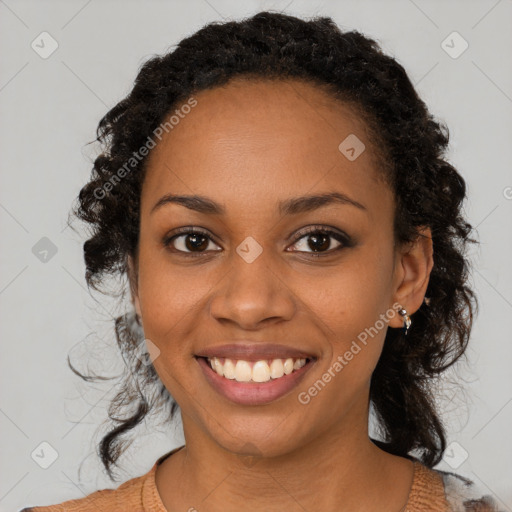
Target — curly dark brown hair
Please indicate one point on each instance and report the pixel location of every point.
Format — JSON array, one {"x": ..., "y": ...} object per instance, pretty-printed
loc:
[{"x": 428, "y": 191}]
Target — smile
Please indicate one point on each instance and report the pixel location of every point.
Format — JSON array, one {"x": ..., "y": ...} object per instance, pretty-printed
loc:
[
  {"x": 255, "y": 371},
  {"x": 254, "y": 382}
]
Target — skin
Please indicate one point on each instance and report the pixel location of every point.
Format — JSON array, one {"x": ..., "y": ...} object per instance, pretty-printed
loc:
[{"x": 248, "y": 146}]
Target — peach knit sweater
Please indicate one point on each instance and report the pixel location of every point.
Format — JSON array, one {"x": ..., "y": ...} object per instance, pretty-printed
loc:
[{"x": 431, "y": 490}]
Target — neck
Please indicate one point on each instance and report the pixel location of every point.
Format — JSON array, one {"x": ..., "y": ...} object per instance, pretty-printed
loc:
[{"x": 336, "y": 471}]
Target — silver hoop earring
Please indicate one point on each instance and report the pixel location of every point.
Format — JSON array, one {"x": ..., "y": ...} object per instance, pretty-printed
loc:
[{"x": 407, "y": 320}]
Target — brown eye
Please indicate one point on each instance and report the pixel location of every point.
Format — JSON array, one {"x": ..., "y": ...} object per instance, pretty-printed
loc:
[
  {"x": 317, "y": 241},
  {"x": 190, "y": 241}
]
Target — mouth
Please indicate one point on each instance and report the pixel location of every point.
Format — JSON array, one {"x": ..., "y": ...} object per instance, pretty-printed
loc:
[
  {"x": 255, "y": 371},
  {"x": 257, "y": 381}
]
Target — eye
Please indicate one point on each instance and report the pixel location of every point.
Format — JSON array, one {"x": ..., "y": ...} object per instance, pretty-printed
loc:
[
  {"x": 189, "y": 241},
  {"x": 320, "y": 241}
]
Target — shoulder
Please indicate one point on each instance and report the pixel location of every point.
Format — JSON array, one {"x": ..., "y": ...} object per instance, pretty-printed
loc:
[
  {"x": 437, "y": 490},
  {"x": 463, "y": 495},
  {"x": 138, "y": 494},
  {"x": 128, "y": 496}
]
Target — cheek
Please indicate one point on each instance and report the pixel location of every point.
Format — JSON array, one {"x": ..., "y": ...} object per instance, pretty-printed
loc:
[
  {"x": 169, "y": 300},
  {"x": 168, "y": 297},
  {"x": 352, "y": 309},
  {"x": 353, "y": 296},
  {"x": 166, "y": 292}
]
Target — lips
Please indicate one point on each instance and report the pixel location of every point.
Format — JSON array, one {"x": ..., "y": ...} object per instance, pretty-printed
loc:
[
  {"x": 254, "y": 393},
  {"x": 254, "y": 352}
]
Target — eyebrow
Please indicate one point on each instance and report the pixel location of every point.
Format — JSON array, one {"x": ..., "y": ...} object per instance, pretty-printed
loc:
[{"x": 291, "y": 206}]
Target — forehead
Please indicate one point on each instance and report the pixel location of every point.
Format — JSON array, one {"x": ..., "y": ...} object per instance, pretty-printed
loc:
[{"x": 278, "y": 137}]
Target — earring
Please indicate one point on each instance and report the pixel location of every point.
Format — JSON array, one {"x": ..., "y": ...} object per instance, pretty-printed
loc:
[{"x": 407, "y": 320}]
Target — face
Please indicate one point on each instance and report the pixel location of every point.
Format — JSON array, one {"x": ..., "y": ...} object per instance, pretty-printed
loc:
[{"x": 266, "y": 266}]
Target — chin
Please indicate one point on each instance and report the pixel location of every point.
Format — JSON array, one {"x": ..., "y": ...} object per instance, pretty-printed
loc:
[{"x": 260, "y": 437}]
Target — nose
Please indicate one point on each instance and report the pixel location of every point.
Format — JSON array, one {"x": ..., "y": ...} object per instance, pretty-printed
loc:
[{"x": 252, "y": 294}]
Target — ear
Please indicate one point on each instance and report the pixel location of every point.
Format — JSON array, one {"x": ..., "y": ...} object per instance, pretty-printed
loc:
[
  {"x": 412, "y": 273},
  {"x": 134, "y": 287}
]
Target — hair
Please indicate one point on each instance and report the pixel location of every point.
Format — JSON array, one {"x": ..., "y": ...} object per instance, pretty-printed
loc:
[{"x": 428, "y": 191}]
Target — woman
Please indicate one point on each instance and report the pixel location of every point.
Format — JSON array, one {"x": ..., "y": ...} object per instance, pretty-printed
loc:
[{"x": 276, "y": 193}]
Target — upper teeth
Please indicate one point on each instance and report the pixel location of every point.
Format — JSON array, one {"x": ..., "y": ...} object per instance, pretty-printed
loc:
[{"x": 256, "y": 371}]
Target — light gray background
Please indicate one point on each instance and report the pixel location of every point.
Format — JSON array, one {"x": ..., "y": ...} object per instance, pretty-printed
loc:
[{"x": 49, "y": 111}]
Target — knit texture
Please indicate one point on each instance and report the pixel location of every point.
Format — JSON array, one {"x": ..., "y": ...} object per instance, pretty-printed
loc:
[{"x": 431, "y": 491}]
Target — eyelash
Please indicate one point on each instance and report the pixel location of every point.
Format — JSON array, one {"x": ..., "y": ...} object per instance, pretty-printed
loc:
[{"x": 345, "y": 240}]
